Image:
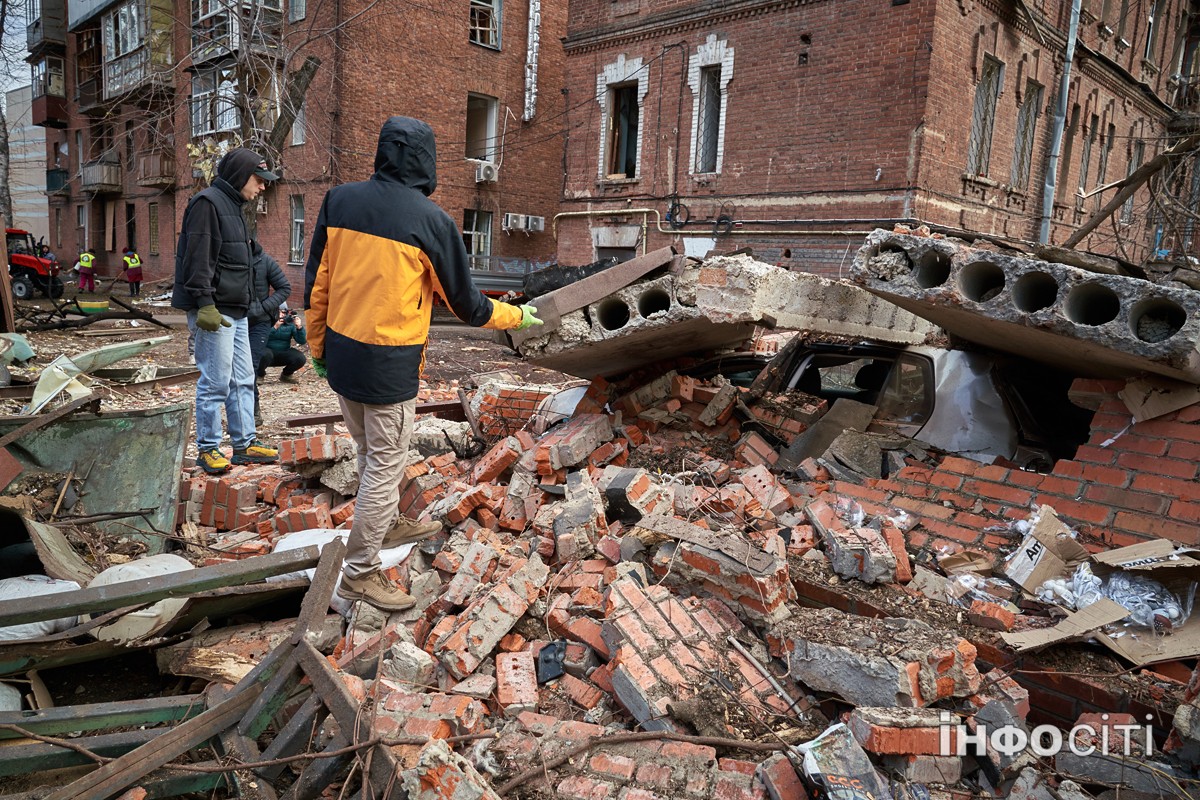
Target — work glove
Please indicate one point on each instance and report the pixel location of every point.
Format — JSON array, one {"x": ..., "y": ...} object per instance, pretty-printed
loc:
[
  {"x": 209, "y": 319},
  {"x": 319, "y": 368},
  {"x": 528, "y": 320}
]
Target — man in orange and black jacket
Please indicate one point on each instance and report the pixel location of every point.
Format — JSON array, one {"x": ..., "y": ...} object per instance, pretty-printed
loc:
[{"x": 380, "y": 250}]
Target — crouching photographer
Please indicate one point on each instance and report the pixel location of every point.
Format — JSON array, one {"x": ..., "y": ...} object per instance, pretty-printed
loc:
[{"x": 280, "y": 353}]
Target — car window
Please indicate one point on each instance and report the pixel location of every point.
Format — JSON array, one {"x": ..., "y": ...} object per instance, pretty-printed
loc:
[
  {"x": 901, "y": 387},
  {"x": 907, "y": 397}
]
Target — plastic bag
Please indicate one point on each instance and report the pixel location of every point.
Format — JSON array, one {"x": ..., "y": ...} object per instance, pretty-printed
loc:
[{"x": 1150, "y": 604}]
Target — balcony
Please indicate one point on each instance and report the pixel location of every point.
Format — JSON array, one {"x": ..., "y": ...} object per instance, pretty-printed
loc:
[
  {"x": 45, "y": 32},
  {"x": 102, "y": 177},
  {"x": 56, "y": 181},
  {"x": 49, "y": 111},
  {"x": 156, "y": 169},
  {"x": 134, "y": 71},
  {"x": 89, "y": 97}
]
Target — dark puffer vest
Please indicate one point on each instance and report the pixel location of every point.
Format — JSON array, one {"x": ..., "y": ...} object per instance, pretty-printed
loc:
[{"x": 229, "y": 286}]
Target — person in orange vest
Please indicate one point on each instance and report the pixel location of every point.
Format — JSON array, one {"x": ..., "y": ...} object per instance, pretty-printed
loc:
[
  {"x": 133, "y": 271},
  {"x": 86, "y": 267}
]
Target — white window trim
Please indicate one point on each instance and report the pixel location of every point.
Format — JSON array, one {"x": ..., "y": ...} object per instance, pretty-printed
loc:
[
  {"x": 712, "y": 53},
  {"x": 621, "y": 71},
  {"x": 497, "y": 7},
  {"x": 296, "y": 232},
  {"x": 493, "y": 126}
]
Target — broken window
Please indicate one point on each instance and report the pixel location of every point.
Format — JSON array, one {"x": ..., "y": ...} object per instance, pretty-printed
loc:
[
  {"x": 296, "y": 10},
  {"x": 296, "y": 254},
  {"x": 708, "y": 126},
  {"x": 1135, "y": 161},
  {"x": 1152, "y": 15},
  {"x": 1109, "y": 139},
  {"x": 983, "y": 119},
  {"x": 1089, "y": 140},
  {"x": 485, "y": 23},
  {"x": 477, "y": 236},
  {"x": 1027, "y": 117},
  {"x": 214, "y": 101},
  {"x": 622, "y": 131},
  {"x": 482, "y": 112},
  {"x": 298, "y": 131},
  {"x": 48, "y": 78}
]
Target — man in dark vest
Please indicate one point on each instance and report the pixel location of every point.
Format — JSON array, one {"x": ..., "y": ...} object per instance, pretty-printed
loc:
[{"x": 214, "y": 284}]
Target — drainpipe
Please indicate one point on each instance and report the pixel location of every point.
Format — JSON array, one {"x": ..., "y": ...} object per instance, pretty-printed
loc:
[
  {"x": 1060, "y": 119},
  {"x": 533, "y": 48}
]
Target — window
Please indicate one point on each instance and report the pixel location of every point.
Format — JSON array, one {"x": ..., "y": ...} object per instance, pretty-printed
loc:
[
  {"x": 1027, "y": 117},
  {"x": 296, "y": 254},
  {"x": 123, "y": 30},
  {"x": 152, "y": 221},
  {"x": 1121, "y": 20},
  {"x": 79, "y": 157},
  {"x": 477, "y": 236},
  {"x": 1109, "y": 139},
  {"x": 298, "y": 132},
  {"x": 33, "y": 11},
  {"x": 296, "y": 10},
  {"x": 983, "y": 118},
  {"x": 708, "y": 128},
  {"x": 1151, "y": 29},
  {"x": 214, "y": 101},
  {"x": 58, "y": 228},
  {"x": 481, "y": 127},
  {"x": 709, "y": 73},
  {"x": 623, "y": 131},
  {"x": 131, "y": 225},
  {"x": 1135, "y": 161},
  {"x": 81, "y": 222},
  {"x": 48, "y": 78},
  {"x": 485, "y": 23},
  {"x": 1089, "y": 140},
  {"x": 129, "y": 144}
]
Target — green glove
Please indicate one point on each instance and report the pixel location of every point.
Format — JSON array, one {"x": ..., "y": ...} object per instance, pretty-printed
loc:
[
  {"x": 528, "y": 320},
  {"x": 210, "y": 319},
  {"x": 319, "y": 368}
]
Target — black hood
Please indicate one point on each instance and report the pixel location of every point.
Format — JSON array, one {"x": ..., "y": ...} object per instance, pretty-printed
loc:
[
  {"x": 407, "y": 154},
  {"x": 237, "y": 166}
]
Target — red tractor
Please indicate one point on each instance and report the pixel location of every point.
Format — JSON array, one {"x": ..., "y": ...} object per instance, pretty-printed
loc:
[{"x": 28, "y": 270}]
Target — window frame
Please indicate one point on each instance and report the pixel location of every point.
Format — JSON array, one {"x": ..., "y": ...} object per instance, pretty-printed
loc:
[
  {"x": 123, "y": 30},
  {"x": 152, "y": 225},
  {"x": 623, "y": 130},
  {"x": 489, "y": 36},
  {"x": 1027, "y": 119},
  {"x": 209, "y": 99},
  {"x": 1136, "y": 157},
  {"x": 297, "y": 10},
  {"x": 477, "y": 238},
  {"x": 299, "y": 134},
  {"x": 1085, "y": 160},
  {"x": 708, "y": 124},
  {"x": 476, "y": 147},
  {"x": 43, "y": 84},
  {"x": 296, "y": 229},
  {"x": 983, "y": 116}
]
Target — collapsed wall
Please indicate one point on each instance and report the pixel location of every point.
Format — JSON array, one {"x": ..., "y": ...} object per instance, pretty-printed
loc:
[
  {"x": 1106, "y": 325},
  {"x": 695, "y": 307}
]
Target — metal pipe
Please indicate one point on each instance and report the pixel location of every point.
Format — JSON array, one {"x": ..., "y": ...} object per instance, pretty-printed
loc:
[
  {"x": 533, "y": 48},
  {"x": 1060, "y": 118}
]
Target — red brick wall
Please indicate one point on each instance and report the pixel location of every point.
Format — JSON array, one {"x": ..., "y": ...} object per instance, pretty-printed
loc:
[
  {"x": 1140, "y": 486},
  {"x": 861, "y": 132}
]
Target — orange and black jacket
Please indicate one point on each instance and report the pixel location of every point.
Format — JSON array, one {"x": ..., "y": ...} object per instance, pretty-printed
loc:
[{"x": 380, "y": 250}]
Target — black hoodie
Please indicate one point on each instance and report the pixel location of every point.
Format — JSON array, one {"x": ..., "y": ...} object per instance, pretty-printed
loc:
[{"x": 379, "y": 251}]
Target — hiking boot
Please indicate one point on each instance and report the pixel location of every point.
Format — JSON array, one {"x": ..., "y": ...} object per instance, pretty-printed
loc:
[
  {"x": 255, "y": 453},
  {"x": 286, "y": 378},
  {"x": 407, "y": 531},
  {"x": 375, "y": 589},
  {"x": 213, "y": 462}
]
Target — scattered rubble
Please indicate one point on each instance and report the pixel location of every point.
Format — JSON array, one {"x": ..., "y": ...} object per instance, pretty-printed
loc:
[{"x": 648, "y": 591}]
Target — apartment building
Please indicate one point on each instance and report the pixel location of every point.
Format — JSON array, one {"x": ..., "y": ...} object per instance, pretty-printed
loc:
[
  {"x": 26, "y": 164},
  {"x": 794, "y": 128},
  {"x": 141, "y": 97}
]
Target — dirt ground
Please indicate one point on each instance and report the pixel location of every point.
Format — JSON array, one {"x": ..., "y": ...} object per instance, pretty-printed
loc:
[{"x": 455, "y": 353}]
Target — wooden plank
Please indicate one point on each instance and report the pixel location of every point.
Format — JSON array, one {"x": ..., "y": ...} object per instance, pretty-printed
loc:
[
  {"x": 159, "y": 785},
  {"x": 294, "y": 736},
  {"x": 101, "y": 716},
  {"x": 321, "y": 772},
  {"x": 346, "y": 710},
  {"x": 129, "y": 768},
  {"x": 178, "y": 584},
  {"x": 243, "y": 750},
  {"x": 278, "y": 691},
  {"x": 25, "y": 759},
  {"x": 316, "y": 601},
  {"x": 448, "y": 409}
]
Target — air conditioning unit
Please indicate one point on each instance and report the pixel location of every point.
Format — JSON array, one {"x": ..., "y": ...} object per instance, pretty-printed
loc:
[
  {"x": 535, "y": 224},
  {"x": 514, "y": 222},
  {"x": 486, "y": 172}
]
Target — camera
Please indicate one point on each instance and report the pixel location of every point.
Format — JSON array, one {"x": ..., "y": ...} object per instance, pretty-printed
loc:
[{"x": 289, "y": 315}]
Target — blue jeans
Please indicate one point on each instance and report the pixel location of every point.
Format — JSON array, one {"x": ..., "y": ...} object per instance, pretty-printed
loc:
[{"x": 226, "y": 379}]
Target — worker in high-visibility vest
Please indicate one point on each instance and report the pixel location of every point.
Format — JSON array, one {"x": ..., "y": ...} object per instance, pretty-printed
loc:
[
  {"x": 133, "y": 271},
  {"x": 86, "y": 267}
]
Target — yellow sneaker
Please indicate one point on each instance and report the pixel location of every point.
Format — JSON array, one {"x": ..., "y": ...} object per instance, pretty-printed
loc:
[
  {"x": 255, "y": 453},
  {"x": 375, "y": 589},
  {"x": 213, "y": 462}
]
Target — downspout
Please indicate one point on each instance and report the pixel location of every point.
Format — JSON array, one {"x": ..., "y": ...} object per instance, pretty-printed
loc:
[
  {"x": 533, "y": 47},
  {"x": 1060, "y": 119}
]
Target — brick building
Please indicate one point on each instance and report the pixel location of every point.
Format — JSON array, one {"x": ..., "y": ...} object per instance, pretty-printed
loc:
[
  {"x": 139, "y": 98},
  {"x": 795, "y": 128}
]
